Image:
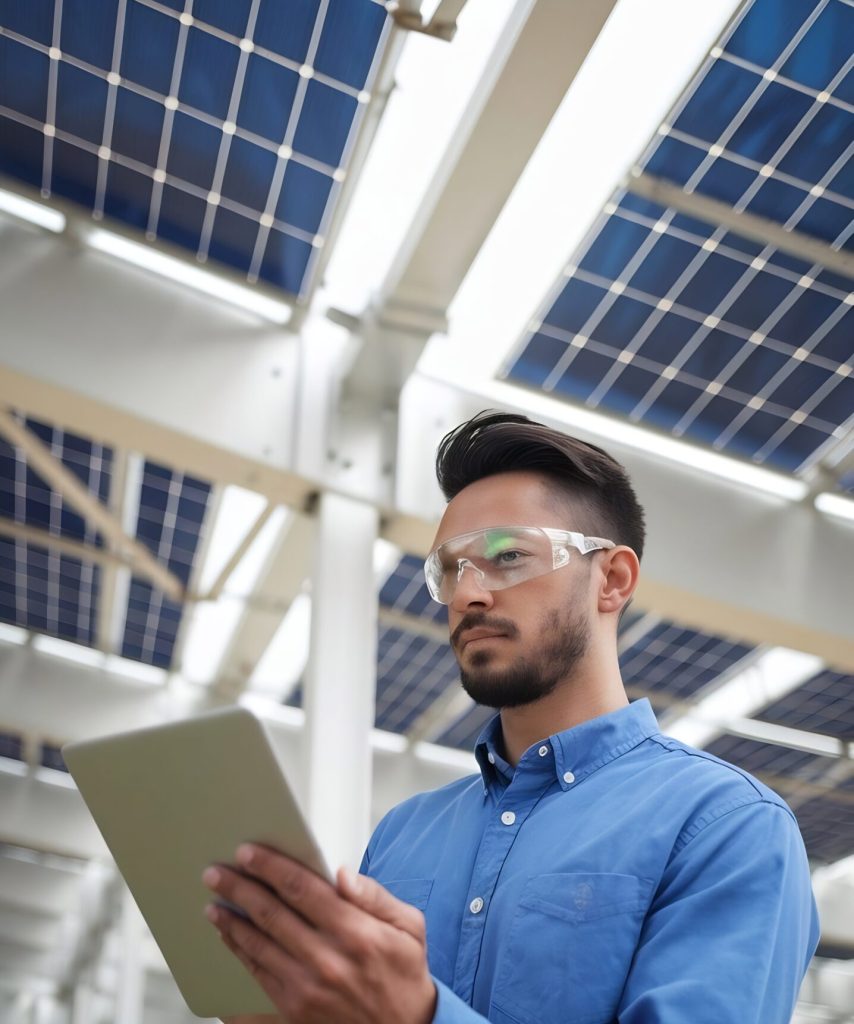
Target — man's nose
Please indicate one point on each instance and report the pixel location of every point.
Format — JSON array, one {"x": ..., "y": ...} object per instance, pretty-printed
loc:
[{"x": 470, "y": 589}]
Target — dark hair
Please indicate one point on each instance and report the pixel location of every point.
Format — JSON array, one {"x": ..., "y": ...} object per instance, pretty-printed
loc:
[{"x": 491, "y": 443}]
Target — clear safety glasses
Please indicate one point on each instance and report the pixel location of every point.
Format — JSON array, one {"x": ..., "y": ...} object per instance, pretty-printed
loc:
[{"x": 503, "y": 556}]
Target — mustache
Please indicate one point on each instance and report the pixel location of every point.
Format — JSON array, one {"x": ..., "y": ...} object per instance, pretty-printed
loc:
[{"x": 477, "y": 620}]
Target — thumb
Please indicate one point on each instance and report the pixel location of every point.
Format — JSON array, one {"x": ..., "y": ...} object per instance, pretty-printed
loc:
[{"x": 374, "y": 899}]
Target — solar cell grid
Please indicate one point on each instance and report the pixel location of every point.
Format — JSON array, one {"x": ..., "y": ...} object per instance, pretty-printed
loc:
[
  {"x": 405, "y": 591},
  {"x": 827, "y": 826},
  {"x": 412, "y": 673},
  {"x": 677, "y": 662},
  {"x": 11, "y": 746},
  {"x": 824, "y": 704},
  {"x": 170, "y": 520},
  {"x": 690, "y": 328},
  {"x": 40, "y": 589},
  {"x": 51, "y": 757},
  {"x": 463, "y": 733},
  {"x": 215, "y": 105},
  {"x": 769, "y": 760},
  {"x": 770, "y": 377}
]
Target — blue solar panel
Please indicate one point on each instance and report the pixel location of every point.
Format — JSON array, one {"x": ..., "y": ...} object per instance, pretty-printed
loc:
[
  {"x": 770, "y": 378},
  {"x": 40, "y": 589},
  {"x": 464, "y": 731},
  {"x": 769, "y": 759},
  {"x": 827, "y": 826},
  {"x": 412, "y": 673},
  {"x": 11, "y": 746},
  {"x": 669, "y": 661},
  {"x": 690, "y": 328},
  {"x": 51, "y": 757},
  {"x": 172, "y": 510},
  {"x": 406, "y": 591},
  {"x": 189, "y": 126},
  {"x": 823, "y": 704}
]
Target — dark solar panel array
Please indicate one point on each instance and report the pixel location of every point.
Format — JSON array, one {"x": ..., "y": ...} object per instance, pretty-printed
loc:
[
  {"x": 40, "y": 589},
  {"x": 412, "y": 673},
  {"x": 51, "y": 757},
  {"x": 769, "y": 760},
  {"x": 827, "y": 826},
  {"x": 226, "y": 131},
  {"x": 672, "y": 662},
  {"x": 463, "y": 732},
  {"x": 823, "y": 704},
  {"x": 406, "y": 591},
  {"x": 172, "y": 508},
  {"x": 690, "y": 328},
  {"x": 11, "y": 746}
]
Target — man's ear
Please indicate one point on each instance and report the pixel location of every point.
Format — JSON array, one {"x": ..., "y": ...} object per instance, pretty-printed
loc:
[{"x": 621, "y": 569}]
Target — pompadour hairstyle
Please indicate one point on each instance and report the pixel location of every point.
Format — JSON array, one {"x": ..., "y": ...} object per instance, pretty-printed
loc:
[{"x": 598, "y": 486}]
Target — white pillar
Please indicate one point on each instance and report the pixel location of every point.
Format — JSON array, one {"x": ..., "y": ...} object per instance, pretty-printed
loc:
[
  {"x": 340, "y": 681},
  {"x": 130, "y": 991}
]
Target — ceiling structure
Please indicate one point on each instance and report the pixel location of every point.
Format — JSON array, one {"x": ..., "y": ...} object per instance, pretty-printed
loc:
[{"x": 164, "y": 457}]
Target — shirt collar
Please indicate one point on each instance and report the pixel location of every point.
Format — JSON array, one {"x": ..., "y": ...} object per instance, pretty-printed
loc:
[{"x": 573, "y": 754}]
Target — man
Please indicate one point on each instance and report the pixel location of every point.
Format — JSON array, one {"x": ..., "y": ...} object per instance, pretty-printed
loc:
[{"x": 595, "y": 870}]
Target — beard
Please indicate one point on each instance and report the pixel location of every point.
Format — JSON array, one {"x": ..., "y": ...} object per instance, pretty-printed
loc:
[{"x": 563, "y": 643}]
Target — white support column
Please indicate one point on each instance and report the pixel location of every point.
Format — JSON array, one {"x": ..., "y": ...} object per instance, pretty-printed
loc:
[
  {"x": 341, "y": 679},
  {"x": 130, "y": 995}
]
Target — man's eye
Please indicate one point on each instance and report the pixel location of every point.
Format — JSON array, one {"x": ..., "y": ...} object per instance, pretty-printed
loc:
[{"x": 507, "y": 558}]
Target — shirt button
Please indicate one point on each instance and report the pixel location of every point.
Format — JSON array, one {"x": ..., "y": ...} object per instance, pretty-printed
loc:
[
  {"x": 490, "y": 757},
  {"x": 543, "y": 750},
  {"x": 568, "y": 777},
  {"x": 508, "y": 817},
  {"x": 476, "y": 905}
]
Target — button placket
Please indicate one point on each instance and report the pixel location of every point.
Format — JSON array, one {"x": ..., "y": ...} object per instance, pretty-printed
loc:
[{"x": 496, "y": 842}]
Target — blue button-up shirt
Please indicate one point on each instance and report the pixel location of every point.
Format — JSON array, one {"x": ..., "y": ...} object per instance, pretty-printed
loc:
[{"x": 615, "y": 875}]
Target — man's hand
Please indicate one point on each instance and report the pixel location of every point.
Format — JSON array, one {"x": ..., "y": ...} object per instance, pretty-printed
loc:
[{"x": 351, "y": 955}]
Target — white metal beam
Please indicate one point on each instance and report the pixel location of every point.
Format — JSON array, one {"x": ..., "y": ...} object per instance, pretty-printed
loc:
[
  {"x": 748, "y": 225},
  {"x": 282, "y": 580},
  {"x": 42, "y": 461},
  {"x": 537, "y": 58}
]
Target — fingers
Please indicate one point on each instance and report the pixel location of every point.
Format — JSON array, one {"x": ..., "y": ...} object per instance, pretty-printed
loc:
[
  {"x": 377, "y": 901},
  {"x": 273, "y": 969},
  {"x": 305, "y": 892},
  {"x": 267, "y": 913}
]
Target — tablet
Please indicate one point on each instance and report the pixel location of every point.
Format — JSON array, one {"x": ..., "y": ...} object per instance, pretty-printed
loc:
[{"x": 171, "y": 800}]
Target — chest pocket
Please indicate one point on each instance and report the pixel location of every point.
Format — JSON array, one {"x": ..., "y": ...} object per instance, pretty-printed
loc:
[
  {"x": 569, "y": 949},
  {"x": 415, "y": 891}
]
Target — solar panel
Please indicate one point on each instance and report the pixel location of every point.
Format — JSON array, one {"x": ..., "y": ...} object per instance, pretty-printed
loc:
[
  {"x": 678, "y": 663},
  {"x": 11, "y": 746},
  {"x": 823, "y": 704},
  {"x": 51, "y": 757},
  {"x": 172, "y": 508},
  {"x": 40, "y": 589},
  {"x": 412, "y": 673},
  {"x": 463, "y": 733},
  {"x": 771, "y": 761},
  {"x": 223, "y": 128},
  {"x": 405, "y": 591},
  {"x": 689, "y": 327},
  {"x": 827, "y": 826}
]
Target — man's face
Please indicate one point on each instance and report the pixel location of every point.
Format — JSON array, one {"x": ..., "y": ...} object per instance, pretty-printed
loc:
[{"x": 516, "y": 645}]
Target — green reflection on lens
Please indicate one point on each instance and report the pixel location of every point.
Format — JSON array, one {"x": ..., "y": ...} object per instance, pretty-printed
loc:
[{"x": 498, "y": 541}]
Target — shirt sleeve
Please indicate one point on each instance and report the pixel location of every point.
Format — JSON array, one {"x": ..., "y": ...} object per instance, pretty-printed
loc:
[
  {"x": 450, "y": 1009},
  {"x": 732, "y": 928}
]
